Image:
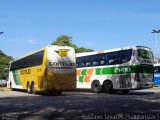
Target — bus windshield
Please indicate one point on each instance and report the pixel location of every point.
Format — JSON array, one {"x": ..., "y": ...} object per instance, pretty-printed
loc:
[
  {"x": 156, "y": 82},
  {"x": 157, "y": 69},
  {"x": 145, "y": 54}
]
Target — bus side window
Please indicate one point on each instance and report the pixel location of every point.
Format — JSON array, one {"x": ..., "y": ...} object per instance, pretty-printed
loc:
[
  {"x": 78, "y": 62},
  {"x": 156, "y": 69},
  {"x": 125, "y": 56},
  {"x": 95, "y": 61},
  {"x": 102, "y": 62},
  {"x": 83, "y": 65},
  {"x": 88, "y": 63},
  {"x": 99, "y": 59},
  {"x": 112, "y": 58}
]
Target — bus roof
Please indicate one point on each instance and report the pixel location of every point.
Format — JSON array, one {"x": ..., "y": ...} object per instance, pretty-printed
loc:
[
  {"x": 110, "y": 50},
  {"x": 38, "y": 51}
]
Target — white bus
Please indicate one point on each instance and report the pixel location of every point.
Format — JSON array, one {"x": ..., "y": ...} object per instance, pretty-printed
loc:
[
  {"x": 123, "y": 69},
  {"x": 52, "y": 68}
]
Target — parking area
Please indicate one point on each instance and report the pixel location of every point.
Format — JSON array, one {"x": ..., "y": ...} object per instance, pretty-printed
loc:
[{"x": 77, "y": 105}]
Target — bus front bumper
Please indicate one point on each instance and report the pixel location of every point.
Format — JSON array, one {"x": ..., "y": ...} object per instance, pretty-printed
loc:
[
  {"x": 145, "y": 86},
  {"x": 61, "y": 86}
]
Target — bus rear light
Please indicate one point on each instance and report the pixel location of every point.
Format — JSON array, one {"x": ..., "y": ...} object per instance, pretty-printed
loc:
[{"x": 137, "y": 77}]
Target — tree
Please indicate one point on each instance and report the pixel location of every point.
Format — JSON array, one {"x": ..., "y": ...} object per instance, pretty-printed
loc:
[
  {"x": 65, "y": 40},
  {"x": 82, "y": 49},
  {"x": 4, "y": 60}
]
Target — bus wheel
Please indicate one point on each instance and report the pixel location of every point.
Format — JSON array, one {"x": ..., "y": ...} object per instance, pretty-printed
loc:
[
  {"x": 33, "y": 89},
  {"x": 10, "y": 86},
  {"x": 28, "y": 88},
  {"x": 58, "y": 92},
  {"x": 96, "y": 87},
  {"x": 125, "y": 91},
  {"x": 108, "y": 87}
]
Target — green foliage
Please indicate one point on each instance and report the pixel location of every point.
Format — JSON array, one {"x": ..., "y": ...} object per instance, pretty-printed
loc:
[
  {"x": 4, "y": 60},
  {"x": 82, "y": 49},
  {"x": 65, "y": 40}
]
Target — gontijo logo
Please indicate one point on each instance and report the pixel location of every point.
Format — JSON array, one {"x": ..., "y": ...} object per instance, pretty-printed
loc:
[{"x": 62, "y": 52}]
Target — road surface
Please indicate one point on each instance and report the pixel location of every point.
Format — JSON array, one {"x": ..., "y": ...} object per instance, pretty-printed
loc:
[{"x": 79, "y": 105}]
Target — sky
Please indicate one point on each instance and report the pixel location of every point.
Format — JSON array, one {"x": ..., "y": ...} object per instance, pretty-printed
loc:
[{"x": 29, "y": 25}]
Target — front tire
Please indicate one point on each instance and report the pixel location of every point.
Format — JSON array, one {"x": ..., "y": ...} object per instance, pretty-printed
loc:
[{"x": 10, "y": 86}]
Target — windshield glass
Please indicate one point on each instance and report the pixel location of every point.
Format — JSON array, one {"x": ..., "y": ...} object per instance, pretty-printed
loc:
[
  {"x": 157, "y": 69},
  {"x": 145, "y": 54}
]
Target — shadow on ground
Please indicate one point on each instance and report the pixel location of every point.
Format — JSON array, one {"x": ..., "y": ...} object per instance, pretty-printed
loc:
[{"x": 79, "y": 104}]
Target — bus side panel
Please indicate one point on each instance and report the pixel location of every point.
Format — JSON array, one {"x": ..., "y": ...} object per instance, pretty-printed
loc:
[{"x": 157, "y": 79}]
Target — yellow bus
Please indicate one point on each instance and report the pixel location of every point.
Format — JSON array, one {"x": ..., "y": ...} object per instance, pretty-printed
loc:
[{"x": 52, "y": 68}]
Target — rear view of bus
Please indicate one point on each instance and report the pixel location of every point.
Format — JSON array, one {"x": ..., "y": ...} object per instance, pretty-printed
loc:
[
  {"x": 61, "y": 68},
  {"x": 144, "y": 70}
]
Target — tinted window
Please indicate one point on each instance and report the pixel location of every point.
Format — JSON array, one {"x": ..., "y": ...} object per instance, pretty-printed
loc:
[
  {"x": 145, "y": 53},
  {"x": 99, "y": 60},
  {"x": 125, "y": 56},
  {"x": 29, "y": 61},
  {"x": 112, "y": 58},
  {"x": 156, "y": 69},
  {"x": 86, "y": 61},
  {"x": 78, "y": 61}
]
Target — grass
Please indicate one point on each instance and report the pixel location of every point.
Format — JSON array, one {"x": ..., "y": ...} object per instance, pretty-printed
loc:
[{"x": 4, "y": 89}]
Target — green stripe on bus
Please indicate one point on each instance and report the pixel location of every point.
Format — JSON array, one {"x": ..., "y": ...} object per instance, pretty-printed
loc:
[
  {"x": 84, "y": 72},
  {"x": 81, "y": 78},
  {"x": 98, "y": 71},
  {"x": 16, "y": 77},
  {"x": 123, "y": 70}
]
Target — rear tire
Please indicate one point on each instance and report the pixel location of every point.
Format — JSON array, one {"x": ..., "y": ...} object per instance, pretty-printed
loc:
[
  {"x": 33, "y": 89},
  {"x": 96, "y": 87},
  {"x": 108, "y": 87},
  {"x": 125, "y": 91},
  {"x": 58, "y": 92},
  {"x": 28, "y": 88}
]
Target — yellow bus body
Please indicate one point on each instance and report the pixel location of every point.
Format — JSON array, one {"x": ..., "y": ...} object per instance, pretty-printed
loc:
[{"x": 57, "y": 72}]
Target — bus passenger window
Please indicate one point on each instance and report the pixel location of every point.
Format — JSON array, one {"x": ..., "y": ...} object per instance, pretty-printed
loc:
[
  {"x": 83, "y": 65},
  {"x": 99, "y": 59},
  {"x": 112, "y": 62},
  {"x": 112, "y": 58},
  {"x": 102, "y": 62},
  {"x": 156, "y": 69},
  {"x": 88, "y": 63},
  {"x": 95, "y": 63},
  {"x": 125, "y": 56}
]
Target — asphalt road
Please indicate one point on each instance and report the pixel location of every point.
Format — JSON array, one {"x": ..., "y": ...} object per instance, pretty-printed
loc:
[{"x": 78, "y": 105}]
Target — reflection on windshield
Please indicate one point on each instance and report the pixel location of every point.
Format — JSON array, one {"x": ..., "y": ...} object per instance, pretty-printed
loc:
[{"x": 145, "y": 54}]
